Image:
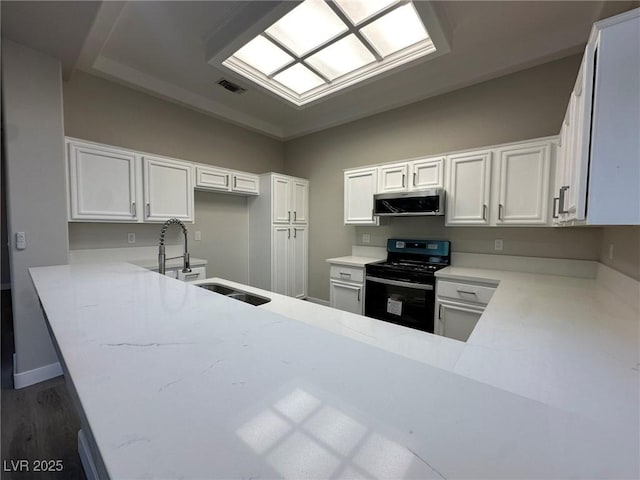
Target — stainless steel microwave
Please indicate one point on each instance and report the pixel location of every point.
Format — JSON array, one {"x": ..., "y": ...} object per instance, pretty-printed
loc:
[{"x": 400, "y": 204}]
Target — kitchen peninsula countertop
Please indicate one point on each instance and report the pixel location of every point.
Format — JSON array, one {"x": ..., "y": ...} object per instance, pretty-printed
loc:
[
  {"x": 176, "y": 381},
  {"x": 353, "y": 261}
]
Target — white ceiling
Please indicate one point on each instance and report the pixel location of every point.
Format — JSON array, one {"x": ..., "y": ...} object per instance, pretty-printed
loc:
[{"x": 164, "y": 47}]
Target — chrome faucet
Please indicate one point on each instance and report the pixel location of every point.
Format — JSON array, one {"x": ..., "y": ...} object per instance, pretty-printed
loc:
[{"x": 161, "y": 256}]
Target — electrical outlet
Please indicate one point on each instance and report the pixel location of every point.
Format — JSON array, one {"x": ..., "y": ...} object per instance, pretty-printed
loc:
[
  {"x": 131, "y": 238},
  {"x": 198, "y": 235},
  {"x": 611, "y": 251},
  {"x": 497, "y": 245},
  {"x": 21, "y": 240},
  {"x": 366, "y": 238}
]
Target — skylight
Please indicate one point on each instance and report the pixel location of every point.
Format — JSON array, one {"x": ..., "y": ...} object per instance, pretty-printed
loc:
[{"x": 322, "y": 46}]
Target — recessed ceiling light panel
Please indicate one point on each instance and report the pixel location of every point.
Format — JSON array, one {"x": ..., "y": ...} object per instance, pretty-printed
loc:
[{"x": 321, "y": 47}]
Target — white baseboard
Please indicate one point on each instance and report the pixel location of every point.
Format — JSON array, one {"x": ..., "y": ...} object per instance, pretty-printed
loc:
[
  {"x": 37, "y": 375},
  {"x": 625, "y": 288},
  {"x": 318, "y": 301}
]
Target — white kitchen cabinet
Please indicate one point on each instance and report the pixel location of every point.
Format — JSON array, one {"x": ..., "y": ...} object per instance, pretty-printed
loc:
[
  {"x": 278, "y": 235},
  {"x": 103, "y": 183},
  {"x": 599, "y": 161},
  {"x": 469, "y": 188},
  {"x": 359, "y": 187},
  {"x": 168, "y": 189},
  {"x": 457, "y": 321},
  {"x": 523, "y": 184},
  {"x": 426, "y": 173},
  {"x": 213, "y": 178},
  {"x": 246, "y": 183},
  {"x": 346, "y": 296},
  {"x": 392, "y": 178}
]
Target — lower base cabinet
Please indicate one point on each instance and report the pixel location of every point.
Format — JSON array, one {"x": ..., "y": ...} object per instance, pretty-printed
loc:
[{"x": 346, "y": 296}]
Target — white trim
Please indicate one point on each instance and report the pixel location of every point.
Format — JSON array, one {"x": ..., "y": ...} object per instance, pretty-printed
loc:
[
  {"x": 37, "y": 375},
  {"x": 625, "y": 288},
  {"x": 318, "y": 301}
]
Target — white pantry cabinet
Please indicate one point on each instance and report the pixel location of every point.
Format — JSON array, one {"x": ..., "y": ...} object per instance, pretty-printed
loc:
[
  {"x": 278, "y": 235},
  {"x": 523, "y": 184},
  {"x": 359, "y": 187},
  {"x": 103, "y": 183},
  {"x": 599, "y": 158},
  {"x": 469, "y": 188},
  {"x": 168, "y": 189}
]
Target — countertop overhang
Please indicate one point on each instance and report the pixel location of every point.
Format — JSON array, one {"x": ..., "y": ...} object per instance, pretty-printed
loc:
[{"x": 175, "y": 381}]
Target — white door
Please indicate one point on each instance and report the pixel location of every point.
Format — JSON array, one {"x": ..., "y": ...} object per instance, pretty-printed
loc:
[
  {"x": 280, "y": 259},
  {"x": 300, "y": 201},
  {"x": 281, "y": 198},
  {"x": 359, "y": 188},
  {"x": 346, "y": 296},
  {"x": 427, "y": 173},
  {"x": 211, "y": 178},
  {"x": 245, "y": 183},
  {"x": 298, "y": 249},
  {"x": 102, "y": 183},
  {"x": 524, "y": 184},
  {"x": 469, "y": 188},
  {"x": 457, "y": 321},
  {"x": 168, "y": 189},
  {"x": 392, "y": 178}
]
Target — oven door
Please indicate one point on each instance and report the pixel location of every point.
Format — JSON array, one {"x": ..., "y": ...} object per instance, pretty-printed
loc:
[{"x": 404, "y": 303}]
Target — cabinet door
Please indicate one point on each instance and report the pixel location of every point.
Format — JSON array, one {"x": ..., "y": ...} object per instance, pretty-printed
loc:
[
  {"x": 281, "y": 199},
  {"x": 210, "y": 178},
  {"x": 561, "y": 171},
  {"x": 457, "y": 321},
  {"x": 102, "y": 183},
  {"x": 245, "y": 183},
  {"x": 359, "y": 187},
  {"x": 427, "y": 173},
  {"x": 300, "y": 201},
  {"x": 298, "y": 248},
  {"x": 524, "y": 184},
  {"x": 346, "y": 296},
  {"x": 280, "y": 259},
  {"x": 168, "y": 189},
  {"x": 392, "y": 178},
  {"x": 469, "y": 188}
]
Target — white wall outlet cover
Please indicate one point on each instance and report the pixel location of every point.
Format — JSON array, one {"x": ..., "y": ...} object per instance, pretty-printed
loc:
[
  {"x": 21, "y": 240},
  {"x": 366, "y": 238},
  {"x": 611, "y": 251},
  {"x": 497, "y": 245},
  {"x": 131, "y": 238},
  {"x": 198, "y": 235}
]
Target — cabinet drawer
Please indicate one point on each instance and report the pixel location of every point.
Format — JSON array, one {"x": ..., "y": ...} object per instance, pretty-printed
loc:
[
  {"x": 353, "y": 274},
  {"x": 464, "y": 291}
]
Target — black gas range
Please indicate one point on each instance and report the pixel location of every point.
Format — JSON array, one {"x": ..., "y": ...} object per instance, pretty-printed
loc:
[{"x": 401, "y": 289}]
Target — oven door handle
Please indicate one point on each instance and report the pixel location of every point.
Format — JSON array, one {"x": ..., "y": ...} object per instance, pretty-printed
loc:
[{"x": 398, "y": 283}]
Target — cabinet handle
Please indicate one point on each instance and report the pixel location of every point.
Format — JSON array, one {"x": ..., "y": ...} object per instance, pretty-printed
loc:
[
  {"x": 295, "y": 216},
  {"x": 358, "y": 294},
  {"x": 295, "y": 233},
  {"x": 403, "y": 180},
  {"x": 148, "y": 209},
  {"x": 289, "y": 216},
  {"x": 345, "y": 274},
  {"x": 440, "y": 311},
  {"x": 288, "y": 233},
  {"x": 133, "y": 208},
  {"x": 484, "y": 211},
  {"x": 500, "y": 207},
  {"x": 235, "y": 182},
  {"x": 226, "y": 184},
  {"x": 467, "y": 292},
  {"x": 555, "y": 207},
  {"x": 561, "y": 209},
  {"x": 414, "y": 179}
]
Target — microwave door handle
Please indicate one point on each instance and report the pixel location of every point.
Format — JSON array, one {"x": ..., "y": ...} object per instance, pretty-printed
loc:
[{"x": 398, "y": 283}]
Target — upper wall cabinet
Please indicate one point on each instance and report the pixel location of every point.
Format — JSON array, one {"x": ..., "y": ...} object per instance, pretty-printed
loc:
[
  {"x": 359, "y": 187},
  {"x": 223, "y": 180},
  {"x": 426, "y": 173},
  {"x": 523, "y": 188},
  {"x": 469, "y": 188},
  {"x": 103, "y": 183},
  {"x": 392, "y": 178},
  {"x": 168, "y": 189},
  {"x": 599, "y": 157}
]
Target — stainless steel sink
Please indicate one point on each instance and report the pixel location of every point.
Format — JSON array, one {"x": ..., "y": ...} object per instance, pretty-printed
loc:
[{"x": 241, "y": 295}]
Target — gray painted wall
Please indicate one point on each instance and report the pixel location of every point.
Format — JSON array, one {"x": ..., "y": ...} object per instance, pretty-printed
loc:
[
  {"x": 626, "y": 249},
  {"x": 524, "y": 105},
  {"x": 102, "y": 111},
  {"x": 32, "y": 102}
]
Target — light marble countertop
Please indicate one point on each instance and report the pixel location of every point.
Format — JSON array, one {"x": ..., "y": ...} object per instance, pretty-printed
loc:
[
  {"x": 353, "y": 261},
  {"x": 176, "y": 381}
]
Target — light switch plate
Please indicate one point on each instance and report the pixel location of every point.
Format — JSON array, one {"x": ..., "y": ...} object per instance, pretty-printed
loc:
[
  {"x": 198, "y": 235},
  {"x": 497, "y": 245},
  {"x": 131, "y": 238},
  {"x": 21, "y": 240},
  {"x": 366, "y": 238}
]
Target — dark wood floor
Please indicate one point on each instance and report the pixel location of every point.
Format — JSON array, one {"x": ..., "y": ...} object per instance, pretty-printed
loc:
[{"x": 38, "y": 423}]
